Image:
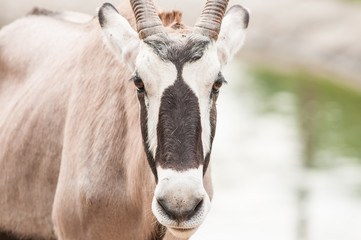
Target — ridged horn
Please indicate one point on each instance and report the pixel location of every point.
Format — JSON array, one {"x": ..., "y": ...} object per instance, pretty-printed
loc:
[
  {"x": 148, "y": 22},
  {"x": 209, "y": 23}
]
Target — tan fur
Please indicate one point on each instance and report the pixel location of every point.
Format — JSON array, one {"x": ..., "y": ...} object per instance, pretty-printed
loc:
[
  {"x": 171, "y": 18},
  {"x": 71, "y": 154}
]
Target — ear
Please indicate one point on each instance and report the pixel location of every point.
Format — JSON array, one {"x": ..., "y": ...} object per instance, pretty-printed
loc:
[
  {"x": 119, "y": 35},
  {"x": 233, "y": 33}
]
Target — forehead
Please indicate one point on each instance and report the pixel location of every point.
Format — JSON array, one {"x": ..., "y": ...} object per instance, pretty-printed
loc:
[
  {"x": 181, "y": 50},
  {"x": 159, "y": 55}
]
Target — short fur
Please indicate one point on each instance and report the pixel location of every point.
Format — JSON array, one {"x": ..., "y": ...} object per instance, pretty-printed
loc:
[
  {"x": 176, "y": 103},
  {"x": 179, "y": 129},
  {"x": 172, "y": 19},
  {"x": 71, "y": 154},
  {"x": 177, "y": 53}
]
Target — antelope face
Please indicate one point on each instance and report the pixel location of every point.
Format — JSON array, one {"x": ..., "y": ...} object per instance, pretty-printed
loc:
[{"x": 178, "y": 79}]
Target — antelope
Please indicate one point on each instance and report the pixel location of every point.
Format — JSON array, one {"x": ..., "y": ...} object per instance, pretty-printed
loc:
[{"x": 86, "y": 153}]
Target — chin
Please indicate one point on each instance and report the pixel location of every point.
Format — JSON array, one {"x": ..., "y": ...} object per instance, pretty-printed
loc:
[{"x": 183, "y": 233}]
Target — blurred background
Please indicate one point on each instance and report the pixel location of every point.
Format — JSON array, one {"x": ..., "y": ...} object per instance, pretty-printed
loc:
[{"x": 287, "y": 156}]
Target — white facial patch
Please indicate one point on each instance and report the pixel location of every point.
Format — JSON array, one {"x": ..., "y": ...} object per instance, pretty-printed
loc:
[
  {"x": 200, "y": 76},
  {"x": 181, "y": 188},
  {"x": 157, "y": 75}
]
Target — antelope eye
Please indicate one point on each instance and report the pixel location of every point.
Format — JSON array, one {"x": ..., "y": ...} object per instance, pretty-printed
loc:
[
  {"x": 139, "y": 84},
  {"x": 216, "y": 86}
]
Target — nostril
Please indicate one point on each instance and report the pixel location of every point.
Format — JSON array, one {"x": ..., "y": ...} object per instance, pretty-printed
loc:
[
  {"x": 198, "y": 206},
  {"x": 163, "y": 204},
  {"x": 186, "y": 211},
  {"x": 195, "y": 209}
]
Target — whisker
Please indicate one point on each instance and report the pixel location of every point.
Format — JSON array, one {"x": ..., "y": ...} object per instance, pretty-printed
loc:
[{"x": 174, "y": 131}]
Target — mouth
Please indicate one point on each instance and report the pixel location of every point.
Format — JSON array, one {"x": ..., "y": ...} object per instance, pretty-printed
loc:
[
  {"x": 182, "y": 232},
  {"x": 182, "y": 229}
]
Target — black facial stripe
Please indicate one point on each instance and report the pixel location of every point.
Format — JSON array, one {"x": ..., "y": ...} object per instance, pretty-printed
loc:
[
  {"x": 179, "y": 129},
  {"x": 144, "y": 128},
  {"x": 213, "y": 121},
  {"x": 221, "y": 78}
]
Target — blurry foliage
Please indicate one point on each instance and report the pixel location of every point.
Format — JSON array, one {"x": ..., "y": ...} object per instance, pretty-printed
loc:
[{"x": 329, "y": 114}]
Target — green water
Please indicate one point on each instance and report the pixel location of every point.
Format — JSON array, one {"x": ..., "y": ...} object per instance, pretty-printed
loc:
[{"x": 328, "y": 114}]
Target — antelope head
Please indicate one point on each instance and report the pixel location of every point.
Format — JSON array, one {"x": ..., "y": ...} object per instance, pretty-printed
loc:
[{"x": 177, "y": 78}]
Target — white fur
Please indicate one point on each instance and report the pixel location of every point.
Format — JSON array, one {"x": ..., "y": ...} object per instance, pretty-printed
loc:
[
  {"x": 120, "y": 36},
  {"x": 233, "y": 33},
  {"x": 200, "y": 76},
  {"x": 157, "y": 75},
  {"x": 185, "y": 186}
]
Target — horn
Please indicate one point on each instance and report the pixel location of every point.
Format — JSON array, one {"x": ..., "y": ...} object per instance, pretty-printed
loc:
[
  {"x": 209, "y": 23},
  {"x": 148, "y": 22}
]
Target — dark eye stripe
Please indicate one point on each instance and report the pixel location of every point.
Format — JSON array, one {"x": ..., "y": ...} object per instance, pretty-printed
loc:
[
  {"x": 220, "y": 78},
  {"x": 218, "y": 83},
  {"x": 134, "y": 77},
  {"x": 137, "y": 82}
]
